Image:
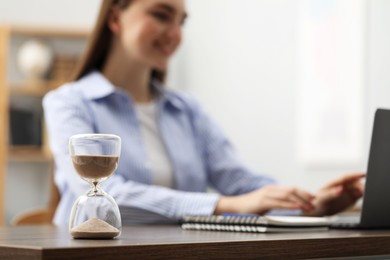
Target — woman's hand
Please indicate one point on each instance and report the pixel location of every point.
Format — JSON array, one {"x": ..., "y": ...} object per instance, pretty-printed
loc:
[
  {"x": 337, "y": 195},
  {"x": 334, "y": 197},
  {"x": 265, "y": 199}
]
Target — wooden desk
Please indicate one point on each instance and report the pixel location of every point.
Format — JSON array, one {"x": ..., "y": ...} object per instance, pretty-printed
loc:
[{"x": 163, "y": 242}]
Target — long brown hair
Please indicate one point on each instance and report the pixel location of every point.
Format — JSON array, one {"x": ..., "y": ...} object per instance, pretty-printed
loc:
[{"x": 99, "y": 43}]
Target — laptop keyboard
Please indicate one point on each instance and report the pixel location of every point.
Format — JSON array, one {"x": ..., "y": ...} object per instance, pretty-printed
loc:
[{"x": 345, "y": 221}]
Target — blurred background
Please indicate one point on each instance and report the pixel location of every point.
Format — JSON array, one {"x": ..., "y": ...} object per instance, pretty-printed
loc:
[{"x": 294, "y": 84}]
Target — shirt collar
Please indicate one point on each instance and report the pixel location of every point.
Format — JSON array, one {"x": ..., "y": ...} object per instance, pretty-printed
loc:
[
  {"x": 165, "y": 96},
  {"x": 95, "y": 86}
]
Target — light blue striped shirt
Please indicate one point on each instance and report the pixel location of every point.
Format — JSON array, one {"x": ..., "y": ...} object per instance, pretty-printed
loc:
[{"x": 200, "y": 154}]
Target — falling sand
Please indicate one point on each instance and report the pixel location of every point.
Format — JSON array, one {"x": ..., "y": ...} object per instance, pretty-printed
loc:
[{"x": 94, "y": 228}]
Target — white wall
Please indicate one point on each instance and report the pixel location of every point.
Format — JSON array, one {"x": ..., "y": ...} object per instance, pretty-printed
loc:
[
  {"x": 242, "y": 61},
  {"x": 378, "y": 60},
  {"x": 240, "y": 58},
  {"x": 70, "y": 13}
]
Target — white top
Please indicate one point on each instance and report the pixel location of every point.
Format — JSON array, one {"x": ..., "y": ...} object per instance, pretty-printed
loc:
[{"x": 159, "y": 161}]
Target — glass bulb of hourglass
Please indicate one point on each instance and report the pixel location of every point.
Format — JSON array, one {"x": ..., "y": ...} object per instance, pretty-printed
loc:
[
  {"x": 95, "y": 214},
  {"x": 95, "y": 168}
]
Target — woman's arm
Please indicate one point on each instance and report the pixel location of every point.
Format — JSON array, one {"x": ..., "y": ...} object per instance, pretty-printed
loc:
[{"x": 244, "y": 190}]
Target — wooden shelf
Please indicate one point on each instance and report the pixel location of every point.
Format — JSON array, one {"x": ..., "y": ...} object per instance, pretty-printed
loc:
[
  {"x": 50, "y": 32},
  {"x": 67, "y": 44},
  {"x": 32, "y": 88},
  {"x": 28, "y": 154}
]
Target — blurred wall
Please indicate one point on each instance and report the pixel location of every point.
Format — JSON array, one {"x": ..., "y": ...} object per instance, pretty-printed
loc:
[
  {"x": 241, "y": 62},
  {"x": 242, "y": 59},
  {"x": 70, "y": 13}
]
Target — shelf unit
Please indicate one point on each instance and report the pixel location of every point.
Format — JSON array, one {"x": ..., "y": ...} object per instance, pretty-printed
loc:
[{"x": 67, "y": 45}]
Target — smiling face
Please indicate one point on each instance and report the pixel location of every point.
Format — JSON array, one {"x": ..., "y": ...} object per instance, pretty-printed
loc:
[{"x": 148, "y": 31}]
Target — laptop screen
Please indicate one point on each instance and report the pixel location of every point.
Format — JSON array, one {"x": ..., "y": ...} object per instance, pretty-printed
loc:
[{"x": 376, "y": 202}]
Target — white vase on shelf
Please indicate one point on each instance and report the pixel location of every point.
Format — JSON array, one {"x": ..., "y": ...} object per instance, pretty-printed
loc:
[{"x": 34, "y": 59}]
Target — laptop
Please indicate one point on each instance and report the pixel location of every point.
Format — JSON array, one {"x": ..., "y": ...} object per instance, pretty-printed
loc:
[{"x": 375, "y": 211}]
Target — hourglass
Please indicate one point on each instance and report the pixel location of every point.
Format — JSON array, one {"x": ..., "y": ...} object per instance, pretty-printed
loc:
[{"x": 95, "y": 214}]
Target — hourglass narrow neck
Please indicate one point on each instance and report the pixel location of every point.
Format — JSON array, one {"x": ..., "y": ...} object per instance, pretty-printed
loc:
[{"x": 95, "y": 188}]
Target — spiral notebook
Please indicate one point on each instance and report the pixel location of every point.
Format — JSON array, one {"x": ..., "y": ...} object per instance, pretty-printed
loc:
[{"x": 254, "y": 223}]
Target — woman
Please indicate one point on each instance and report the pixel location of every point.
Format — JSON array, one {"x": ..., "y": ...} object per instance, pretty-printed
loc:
[{"x": 171, "y": 150}]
